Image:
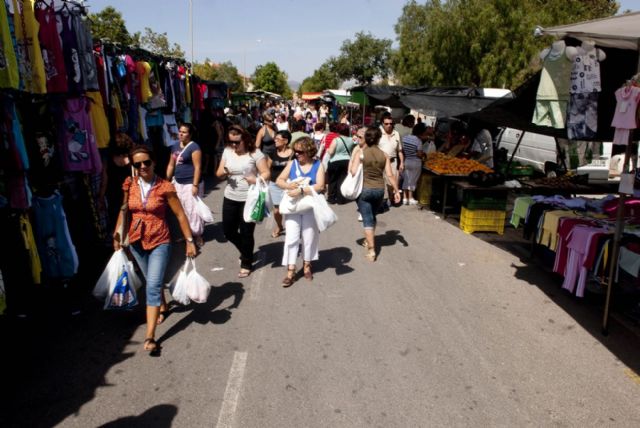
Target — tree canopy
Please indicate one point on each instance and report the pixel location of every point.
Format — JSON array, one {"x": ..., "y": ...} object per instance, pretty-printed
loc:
[
  {"x": 485, "y": 43},
  {"x": 323, "y": 78},
  {"x": 158, "y": 43},
  {"x": 109, "y": 24},
  {"x": 225, "y": 71},
  {"x": 270, "y": 78},
  {"x": 363, "y": 59}
]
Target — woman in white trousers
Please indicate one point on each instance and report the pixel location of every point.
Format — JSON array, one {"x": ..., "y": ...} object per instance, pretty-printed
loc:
[{"x": 297, "y": 178}]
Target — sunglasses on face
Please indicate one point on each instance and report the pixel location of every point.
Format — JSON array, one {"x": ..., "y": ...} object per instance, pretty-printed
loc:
[
  {"x": 388, "y": 123},
  {"x": 147, "y": 163}
]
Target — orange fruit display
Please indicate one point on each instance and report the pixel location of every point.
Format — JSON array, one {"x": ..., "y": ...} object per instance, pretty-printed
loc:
[{"x": 447, "y": 165}]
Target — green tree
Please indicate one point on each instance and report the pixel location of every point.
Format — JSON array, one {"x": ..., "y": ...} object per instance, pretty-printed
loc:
[
  {"x": 270, "y": 78},
  {"x": 158, "y": 43},
  {"x": 322, "y": 78},
  {"x": 363, "y": 59},
  {"x": 109, "y": 24},
  {"x": 480, "y": 42},
  {"x": 226, "y": 72}
]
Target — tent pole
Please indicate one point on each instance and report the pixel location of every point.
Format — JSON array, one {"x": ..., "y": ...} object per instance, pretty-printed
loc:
[
  {"x": 515, "y": 149},
  {"x": 619, "y": 225},
  {"x": 616, "y": 239}
]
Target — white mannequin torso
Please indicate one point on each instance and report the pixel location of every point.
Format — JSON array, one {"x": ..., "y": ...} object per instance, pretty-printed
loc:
[
  {"x": 556, "y": 49},
  {"x": 587, "y": 47}
]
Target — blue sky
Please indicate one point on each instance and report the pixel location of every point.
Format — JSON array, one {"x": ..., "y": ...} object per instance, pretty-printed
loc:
[{"x": 298, "y": 35}]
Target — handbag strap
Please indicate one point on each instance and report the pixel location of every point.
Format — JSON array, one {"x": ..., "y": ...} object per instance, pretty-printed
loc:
[{"x": 345, "y": 146}]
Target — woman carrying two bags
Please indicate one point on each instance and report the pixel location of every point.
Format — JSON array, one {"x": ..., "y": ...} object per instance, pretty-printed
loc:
[
  {"x": 301, "y": 177},
  {"x": 146, "y": 199}
]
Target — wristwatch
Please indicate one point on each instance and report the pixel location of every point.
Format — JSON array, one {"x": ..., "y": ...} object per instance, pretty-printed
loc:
[{"x": 190, "y": 240}]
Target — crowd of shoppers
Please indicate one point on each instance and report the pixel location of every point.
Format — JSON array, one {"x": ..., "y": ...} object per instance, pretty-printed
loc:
[{"x": 312, "y": 159}]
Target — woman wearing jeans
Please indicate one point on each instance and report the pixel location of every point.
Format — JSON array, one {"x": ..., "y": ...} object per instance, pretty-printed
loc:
[
  {"x": 375, "y": 163},
  {"x": 147, "y": 197},
  {"x": 240, "y": 164}
]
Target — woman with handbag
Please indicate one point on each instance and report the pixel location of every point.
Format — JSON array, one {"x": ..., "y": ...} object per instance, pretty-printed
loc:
[
  {"x": 339, "y": 155},
  {"x": 185, "y": 171},
  {"x": 375, "y": 163},
  {"x": 240, "y": 164},
  {"x": 146, "y": 199},
  {"x": 297, "y": 179}
]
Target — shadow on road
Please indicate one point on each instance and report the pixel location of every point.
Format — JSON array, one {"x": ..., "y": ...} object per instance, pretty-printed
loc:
[
  {"x": 209, "y": 312},
  {"x": 160, "y": 416},
  {"x": 535, "y": 269}
]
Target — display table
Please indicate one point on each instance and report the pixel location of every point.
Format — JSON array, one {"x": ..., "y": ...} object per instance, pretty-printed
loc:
[{"x": 446, "y": 179}]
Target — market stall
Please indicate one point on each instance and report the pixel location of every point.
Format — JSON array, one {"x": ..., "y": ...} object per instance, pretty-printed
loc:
[
  {"x": 67, "y": 102},
  {"x": 586, "y": 87}
]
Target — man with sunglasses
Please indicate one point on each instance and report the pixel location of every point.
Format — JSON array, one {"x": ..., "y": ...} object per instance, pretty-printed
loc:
[{"x": 391, "y": 145}]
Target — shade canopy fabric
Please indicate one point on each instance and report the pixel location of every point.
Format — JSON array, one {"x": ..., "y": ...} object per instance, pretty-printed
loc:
[
  {"x": 440, "y": 102},
  {"x": 620, "y": 32}
]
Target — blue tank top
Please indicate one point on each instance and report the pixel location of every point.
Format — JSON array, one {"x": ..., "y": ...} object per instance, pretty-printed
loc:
[{"x": 296, "y": 172}]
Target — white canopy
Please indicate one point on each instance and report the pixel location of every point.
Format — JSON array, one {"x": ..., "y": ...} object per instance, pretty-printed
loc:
[{"x": 620, "y": 31}]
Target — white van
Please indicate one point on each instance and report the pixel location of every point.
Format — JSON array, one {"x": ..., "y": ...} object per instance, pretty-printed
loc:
[{"x": 536, "y": 149}]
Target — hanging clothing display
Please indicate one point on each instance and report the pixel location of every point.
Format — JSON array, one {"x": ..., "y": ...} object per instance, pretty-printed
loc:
[
  {"x": 29, "y": 55},
  {"x": 78, "y": 142},
  {"x": 31, "y": 247},
  {"x": 624, "y": 118},
  {"x": 71, "y": 54},
  {"x": 52, "y": 55},
  {"x": 9, "y": 77},
  {"x": 85, "y": 52},
  {"x": 582, "y": 121},
  {"x": 552, "y": 97},
  {"x": 99, "y": 121},
  {"x": 57, "y": 253}
]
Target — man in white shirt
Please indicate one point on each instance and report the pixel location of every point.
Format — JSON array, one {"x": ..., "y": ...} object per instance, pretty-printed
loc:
[{"x": 391, "y": 145}]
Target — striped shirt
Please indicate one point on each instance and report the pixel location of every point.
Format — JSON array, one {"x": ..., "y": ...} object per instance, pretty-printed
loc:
[{"x": 410, "y": 146}]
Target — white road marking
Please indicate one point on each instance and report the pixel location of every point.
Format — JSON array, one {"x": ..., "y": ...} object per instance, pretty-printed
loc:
[
  {"x": 256, "y": 279},
  {"x": 232, "y": 393}
]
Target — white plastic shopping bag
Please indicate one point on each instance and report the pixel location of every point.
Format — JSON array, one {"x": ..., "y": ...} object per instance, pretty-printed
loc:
[
  {"x": 351, "y": 187},
  {"x": 297, "y": 204},
  {"x": 324, "y": 215},
  {"x": 255, "y": 206},
  {"x": 197, "y": 285},
  {"x": 118, "y": 283},
  {"x": 203, "y": 210},
  {"x": 179, "y": 287}
]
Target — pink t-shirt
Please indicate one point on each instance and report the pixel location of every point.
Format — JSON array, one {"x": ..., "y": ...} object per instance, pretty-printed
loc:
[{"x": 625, "y": 115}]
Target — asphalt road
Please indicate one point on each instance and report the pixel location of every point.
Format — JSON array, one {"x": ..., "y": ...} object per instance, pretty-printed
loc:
[{"x": 444, "y": 329}]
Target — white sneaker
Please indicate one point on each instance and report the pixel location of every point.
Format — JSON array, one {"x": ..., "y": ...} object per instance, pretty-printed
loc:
[
  {"x": 359, "y": 217},
  {"x": 405, "y": 201},
  {"x": 413, "y": 202}
]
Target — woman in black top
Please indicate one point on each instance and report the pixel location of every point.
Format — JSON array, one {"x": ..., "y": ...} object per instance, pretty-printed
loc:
[
  {"x": 265, "y": 138},
  {"x": 277, "y": 160}
]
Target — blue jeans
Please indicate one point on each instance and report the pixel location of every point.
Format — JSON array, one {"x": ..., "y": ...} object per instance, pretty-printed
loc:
[
  {"x": 369, "y": 202},
  {"x": 153, "y": 264}
]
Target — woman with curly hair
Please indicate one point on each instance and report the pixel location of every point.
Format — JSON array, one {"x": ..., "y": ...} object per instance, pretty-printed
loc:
[{"x": 298, "y": 178}]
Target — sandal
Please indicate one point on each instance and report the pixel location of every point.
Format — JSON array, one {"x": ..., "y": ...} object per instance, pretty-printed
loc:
[
  {"x": 152, "y": 347},
  {"x": 276, "y": 233},
  {"x": 371, "y": 256},
  {"x": 308, "y": 275},
  {"x": 162, "y": 316},
  {"x": 244, "y": 273},
  {"x": 289, "y": 279}
]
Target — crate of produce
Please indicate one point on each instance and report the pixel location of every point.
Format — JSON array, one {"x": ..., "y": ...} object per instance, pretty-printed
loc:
[
  {"x": 482, "y": 220},
  {"x": 517, "y": 170},
  {"x": 474, "y": 201},
  {"x": 424, "y": 189}
]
